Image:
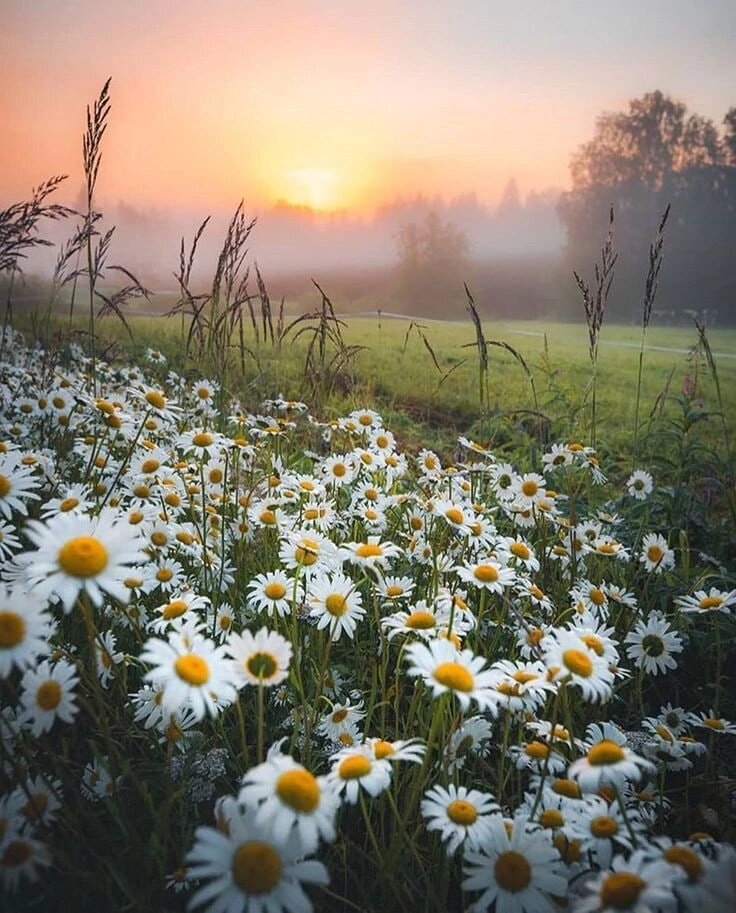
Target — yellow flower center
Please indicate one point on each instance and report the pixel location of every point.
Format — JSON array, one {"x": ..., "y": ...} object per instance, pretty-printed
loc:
[
  {"x": 267, "y": 517},
  {"x": 710, "y": 602},
  {"x": 520, "y": 551},
  {"x": 394, "y": 590},
  {"x": 83, "y": 556},
  {"x": 513, "y": 872},
  {"x": 68, "y": 504},
  {"x": 12, "y": 629},
  {"x": 603, "y": 826},
  {"x": 686, "y": 858},
  {"x": 551, "y": 817},
  {"x": 150, "y": 465},
  {"x": 311, "y": 513},
  {"x": 578, "y": 663},
  {"x": 420, "y": 620},
  {"x": 262, "y": 665},
  {"x": 569, "y": 850},
  {"x": 597, "y": 596},
  {"x": 48, "y": 696},
  {"x": 16, "y": 853},
  {"x": 605, "y": 752},
  {"x": 4, "y": 485},
  {"x": 192, "y": 669},
  {"x": 142, "y": 491},
  {"x": 368, "y": 550},
  {"x": 714, "y": 723},
  {"x": 454, "y": 676},
  {"x": 607, "y": 548},
  {"x": 159, "y": 538},
  {"x": 256, "y": 867},
  {"x": 655, "y": 554},
  {"x": 164, "y": 574},
  {"x": 203, "y": 393},
  {"x": 383, "y": 749},
  {"x": 523, "y": 677},
  {"x": 595, "y": 643},
  {"x": 454, "y": 515},
  {"x": 339, "y": 715},
  {"x": 461, "y": 812},
  {"x": 537, "y": 750},
  {"x": 202, "y": 439},
  {"x": 274, "y": 590},
  {"x": 564, "y": 787},
  {"x": 621, "y": 890},
  {"x": 529, "y": 488},
  {"x": 354, "y": 768},
  {"x": 135, "y": 517},
  {"x": 216, "y": 476},
  {"x": 339, "y": 470},
  {"x": 298, "y": 789},
  {"x": 486, "y": 573},
  {"x": 336, "y": 604},
  {"x": 156, "y": 399},
  {"x": 306, "y": 552},
  {"x": 174, "y": 609}
]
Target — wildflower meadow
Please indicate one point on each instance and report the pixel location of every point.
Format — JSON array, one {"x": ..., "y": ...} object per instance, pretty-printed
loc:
[{"x": 263, "y": 661}]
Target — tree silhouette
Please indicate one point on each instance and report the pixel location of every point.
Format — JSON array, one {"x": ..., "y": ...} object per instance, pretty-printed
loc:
[{"x": 639, "y": 161}]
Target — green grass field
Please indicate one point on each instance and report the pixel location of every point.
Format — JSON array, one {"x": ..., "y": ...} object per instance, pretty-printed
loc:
[{"x": 433, "y": 402}]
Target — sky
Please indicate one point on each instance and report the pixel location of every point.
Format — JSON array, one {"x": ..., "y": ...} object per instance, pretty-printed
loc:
[{"x": 339, "y": 104}]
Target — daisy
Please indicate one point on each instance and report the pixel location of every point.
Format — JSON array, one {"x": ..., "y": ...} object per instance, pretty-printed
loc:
[
  {"x": 634, "y": 885},
  {"x": 655, "y": 554},
  {"x": 640, "y": 484},
  {"x": 356, "y": 768},
  {"x": 530, "y": 489},
  {"x": 274, "y": 592},
  {"x": 461, "y": 815},
  {"x": 487, "y": 575},
  {"x": 200, "y": 443},
  {"x": 371, "y": 554},
  {"x": 17, "y": 484},
  {"x": 261, "y": 659},
  {"x": 47, "y": 695},
  {"x": 183, "y": 606},
  {"x": 338, "y": 470},
  {"x": 107, "y": 657},
  {"x": 518, "y": 869},
  {"x": 336, "y": 604},
  {"x": 601, "y": 828},
  {"x": 446, "y": 669},
  {"x": 470, "y": 738},
  {"x": 607, "y": 761},
  {"x": 190, "y": 671},
  {"x": 25, "y": 629},
  {"x": 40, "y": 800},
  {"x": 570, "y": 660},
  {"x": 652, "y": 644},
  {"x": 287, "y": 796},
  {"x": 518, "y": 553},
  {"x": 714, "y": 600},
  {"x": 713, "y": 722},
  {"x": 421, "y": 620},
  {"x": 391, "y": 588},
  {"x": 342, "y": 717},
  {"x": 97, "y": 781},
  {"x": 520, "y": 685},
  {"x": 82, "y": 554},
  {"x": 398, "y": 750},
  {"x": 21, "y": 857},
  {"x": 76, "y": 499},
  {"x": 309, "y": 552}
]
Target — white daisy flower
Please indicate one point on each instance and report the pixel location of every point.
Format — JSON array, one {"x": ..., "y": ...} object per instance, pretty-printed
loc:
[
  {"x": 487, "y": 574},
  {"x": 191, "y": 671},
  {"x": 607, "y": 761},
  {"x": 518, "y": 869},
  {"x": 656, "y": 555},
  {"x": 640, "y": 484},
  {"x": 571, "y": 661},
  {"x": 47, "y": 695},
  {"x": 274, "y": 592},
  {"x": 460, "y": 814},
  {"x": 446, "y": 669},
  {"x": 82, "y": 554},
  {"x": 21, "y": 858},
  {"x": 309, "y": 552},
  {"x": 601, "y": 828},
  {"x": 633, "y": 885},
  {"x": 357, "y": 768},
  {"x": 336, "y": 604},
  {"x": 714, "y": 600},
  {"x": 287, "y": 796},
  {"x": 25, "y": 629},
  {"x": 18, "y": 484},
  {"x": 653, "y": 643},
  {"x": 261, "y": 659}
]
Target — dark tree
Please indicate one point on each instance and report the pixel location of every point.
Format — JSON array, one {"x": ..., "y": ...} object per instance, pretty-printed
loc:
[{"x": 641, "y": 160}]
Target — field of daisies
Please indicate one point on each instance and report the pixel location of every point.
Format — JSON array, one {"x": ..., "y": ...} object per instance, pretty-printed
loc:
[{"x": 255, "y": 660}]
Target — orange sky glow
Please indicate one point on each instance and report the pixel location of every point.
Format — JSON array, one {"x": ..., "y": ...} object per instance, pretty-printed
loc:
[{"x": 335, "y": 105}]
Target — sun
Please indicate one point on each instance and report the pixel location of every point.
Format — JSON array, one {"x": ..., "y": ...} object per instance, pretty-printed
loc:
[{"x": 318, "y": 188}]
